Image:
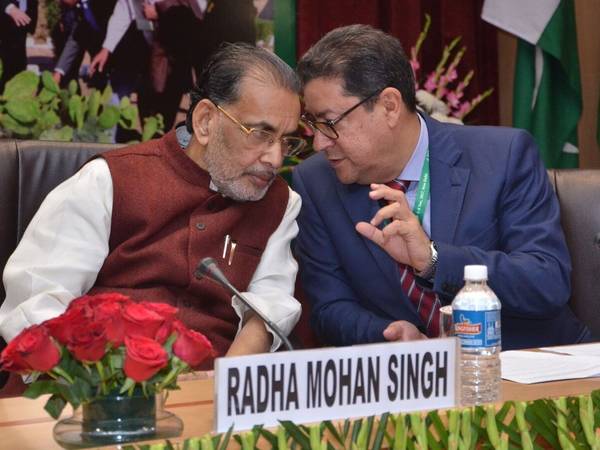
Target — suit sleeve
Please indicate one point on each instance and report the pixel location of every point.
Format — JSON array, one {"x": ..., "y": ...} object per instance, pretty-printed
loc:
[
  {"x": 337, "y": 316},
  {"x": 529, "y": 265}
]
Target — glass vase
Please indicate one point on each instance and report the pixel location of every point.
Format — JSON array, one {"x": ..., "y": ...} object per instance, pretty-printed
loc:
[{"x": 117, "y": 419}]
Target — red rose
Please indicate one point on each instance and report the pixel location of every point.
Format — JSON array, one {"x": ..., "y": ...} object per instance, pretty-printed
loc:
[
  {"x": 141, "y": 321},
  {"x": 83, "y": 304},
  {"x": 164, "y": 332},
  {"x": 191, "y": 346},
  {"x": 88, "y": 341},
  {"x": 110, "y": 314},
  {"x": 10, "y": 359},
  {"x": 32, "y": 349},
  {"x": 167, "y": 311},
  {"x": 61, "y": 327},
  {"x": 113, "y": 297},
  {"x": 143, "y": 358}
]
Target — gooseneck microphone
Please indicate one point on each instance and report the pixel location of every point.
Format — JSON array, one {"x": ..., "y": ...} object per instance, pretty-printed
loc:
[{"x": 208, "y": 268}]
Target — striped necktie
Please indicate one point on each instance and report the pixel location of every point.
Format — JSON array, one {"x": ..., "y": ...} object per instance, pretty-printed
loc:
[{"x": 425, "y": 300}]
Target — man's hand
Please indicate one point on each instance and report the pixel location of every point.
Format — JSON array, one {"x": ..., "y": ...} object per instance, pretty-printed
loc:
[
  {"x": 57, "y": 76},
  {"x": 401, "y": 330},
  {"x": 150, "y": 11},
  {"x": 19, "y": 17},
  {"x": 403, "y": 238},
  {"x": 252, "y": 338},
  {"x": 99, "y": 61}
]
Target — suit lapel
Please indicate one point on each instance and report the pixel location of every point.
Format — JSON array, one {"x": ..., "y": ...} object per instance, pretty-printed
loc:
[
  {"x": 360, "y": 208},
  {"x": 448, "y": 181}
]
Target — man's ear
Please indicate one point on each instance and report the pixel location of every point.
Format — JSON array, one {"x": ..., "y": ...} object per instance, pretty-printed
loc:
[
  {"x": 202, "y": 117},
  {"x": 393, "y": 105}
]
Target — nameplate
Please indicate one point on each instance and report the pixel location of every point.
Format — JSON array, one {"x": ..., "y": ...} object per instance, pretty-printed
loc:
[{"x": 335, "y": 383}]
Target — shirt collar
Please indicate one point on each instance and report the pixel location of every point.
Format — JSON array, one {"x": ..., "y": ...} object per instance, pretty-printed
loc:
[{"x": 412, "y": 170}]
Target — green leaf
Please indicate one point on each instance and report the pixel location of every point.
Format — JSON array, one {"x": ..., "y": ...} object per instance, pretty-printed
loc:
[
  {"x": 129, "y": 117},
  {"x": 380, "y": 434},
  {"x": 109, "y": 117},
  {"x": 46, "y": 96},
  {"x": 129, "y": 384},
  {"x": 356, "y": 426},
  {"x": 73, "y": 87},
  {"x": 125, "y": 102},
  {"x": 106, "y": 95},
  {"x": 34, "y": 390},
  {"x": 191, "y": 444},
  {"x": 269, "y": 436},
  {"x": 22, "y": 85},
  {"x": 150, "y": 128},
  {"x": 226, "y": 439},
  {"x": 540, "y": 417},
  {"x": 25, "y": 111},
  {"x": 334, "y": 432},
  {"x": 14, "y": 127},
  {"x": 296, "y": 433},
  {"x": 49, "y": 83},
  {"x": 64, "y": 134},
  {"x": 48, "y": 119},
  {"x": 75, "y": 108},
  {"x": 434, "y": 419},
  {"x": 55, "y": 405},
  {"x": 93, "y": 103}
]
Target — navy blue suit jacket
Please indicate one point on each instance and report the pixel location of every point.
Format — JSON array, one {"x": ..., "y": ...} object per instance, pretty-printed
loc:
[{"x": 491, "y": 203}]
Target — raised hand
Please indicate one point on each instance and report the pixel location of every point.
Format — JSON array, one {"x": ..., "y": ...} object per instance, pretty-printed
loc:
[{"x": 402, "y": 238}]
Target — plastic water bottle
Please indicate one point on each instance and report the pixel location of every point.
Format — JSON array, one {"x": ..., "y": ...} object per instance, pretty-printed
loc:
[{"x": 476, "y": 317}]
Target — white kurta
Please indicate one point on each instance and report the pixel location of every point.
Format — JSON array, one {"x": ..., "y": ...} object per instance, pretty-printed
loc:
[{"x": 66, "y": 243}]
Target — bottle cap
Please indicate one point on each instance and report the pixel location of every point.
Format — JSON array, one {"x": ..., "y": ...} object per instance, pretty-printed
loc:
[{"x": 476, "y": 273}]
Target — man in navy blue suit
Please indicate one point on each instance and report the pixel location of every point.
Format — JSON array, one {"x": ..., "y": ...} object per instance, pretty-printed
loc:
[{"x": 395, "y": 204}]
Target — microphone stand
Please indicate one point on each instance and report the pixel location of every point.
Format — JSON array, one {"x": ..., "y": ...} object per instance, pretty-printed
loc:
[{"x": 208, "y": 268}]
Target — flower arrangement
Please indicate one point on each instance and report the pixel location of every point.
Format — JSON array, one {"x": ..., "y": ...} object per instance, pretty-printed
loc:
[
  {"x": 101, "y": 345},
  {"x": 441, "y": 95}
]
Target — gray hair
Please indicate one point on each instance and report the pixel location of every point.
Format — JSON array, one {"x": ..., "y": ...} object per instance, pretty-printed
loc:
[{"x": 225, "y": 70}]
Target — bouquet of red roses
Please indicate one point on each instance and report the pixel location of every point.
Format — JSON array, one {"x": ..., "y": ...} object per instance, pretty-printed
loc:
[{"x": 104, "y": 344}]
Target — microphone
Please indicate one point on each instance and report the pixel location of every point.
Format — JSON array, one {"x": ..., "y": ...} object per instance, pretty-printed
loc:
[{"x": 208, "y": 268}]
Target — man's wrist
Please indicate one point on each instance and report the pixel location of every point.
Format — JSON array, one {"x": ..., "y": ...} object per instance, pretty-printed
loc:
[{"x": 428, "y": 273}]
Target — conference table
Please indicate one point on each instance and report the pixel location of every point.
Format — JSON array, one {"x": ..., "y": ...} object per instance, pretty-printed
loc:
[{"x": 24, "y": 424}]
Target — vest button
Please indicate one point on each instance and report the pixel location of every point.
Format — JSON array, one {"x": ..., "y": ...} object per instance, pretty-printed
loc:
[{"x": 200, "y": 226}]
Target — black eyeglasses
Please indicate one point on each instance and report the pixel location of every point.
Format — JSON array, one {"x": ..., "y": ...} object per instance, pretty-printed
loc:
[
  {"x": 259, "y": 139},
  {"x": 327, "y": 127}
]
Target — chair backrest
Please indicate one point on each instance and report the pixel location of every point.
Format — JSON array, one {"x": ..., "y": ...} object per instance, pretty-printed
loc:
[
  {"x": 578, "y": 193},
  {"x": 28, "y": 171}
]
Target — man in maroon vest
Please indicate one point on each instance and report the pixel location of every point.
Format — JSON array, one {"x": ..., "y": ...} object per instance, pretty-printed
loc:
[{"x": 137, "y": 220}]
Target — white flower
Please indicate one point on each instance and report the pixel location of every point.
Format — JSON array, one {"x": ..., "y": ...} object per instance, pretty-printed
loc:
[
  {"x": 436, "y": 108},
  {"x": 431, "y": 103},
  {"x": 443, "y": 118}
]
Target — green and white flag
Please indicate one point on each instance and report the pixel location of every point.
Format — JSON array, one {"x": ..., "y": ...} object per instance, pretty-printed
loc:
[{"x": 547, "y": 87}]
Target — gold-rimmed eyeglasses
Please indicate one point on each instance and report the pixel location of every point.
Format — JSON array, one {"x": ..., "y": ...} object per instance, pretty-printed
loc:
[
  {"x": 257, "y": 138},
  {"x": 327, "y": 127}
]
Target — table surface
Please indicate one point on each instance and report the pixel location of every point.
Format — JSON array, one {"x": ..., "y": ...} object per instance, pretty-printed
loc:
[{"x": 24, "y": 424}]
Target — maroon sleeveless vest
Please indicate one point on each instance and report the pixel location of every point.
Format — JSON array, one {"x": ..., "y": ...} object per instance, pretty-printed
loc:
[{"x": 165, "y": 219}]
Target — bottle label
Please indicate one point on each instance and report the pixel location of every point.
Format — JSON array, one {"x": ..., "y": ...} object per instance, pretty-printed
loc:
[{"x": 477, "y": 328}]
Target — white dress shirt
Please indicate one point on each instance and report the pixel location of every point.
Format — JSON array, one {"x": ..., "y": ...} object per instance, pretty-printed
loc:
[
  {"x": 125, "y": 12},
  {"x": 66, "y": 243}
]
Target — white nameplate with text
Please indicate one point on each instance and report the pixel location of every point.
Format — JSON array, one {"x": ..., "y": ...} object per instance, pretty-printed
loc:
[{"x": 335, "y": 383}]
